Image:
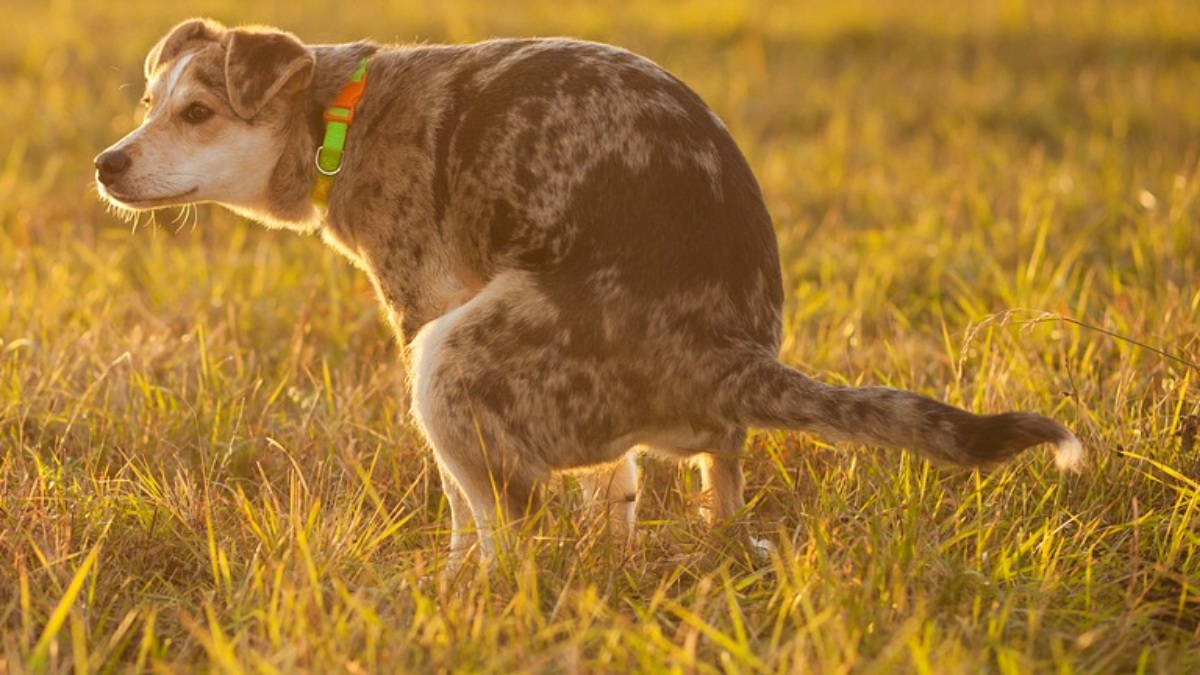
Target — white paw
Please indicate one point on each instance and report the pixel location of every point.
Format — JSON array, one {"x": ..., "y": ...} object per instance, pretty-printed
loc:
[{"x": 762, "y": 547}]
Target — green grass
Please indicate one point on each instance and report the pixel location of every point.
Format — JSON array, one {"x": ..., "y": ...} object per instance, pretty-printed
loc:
[{"x": 207, "y": 462}]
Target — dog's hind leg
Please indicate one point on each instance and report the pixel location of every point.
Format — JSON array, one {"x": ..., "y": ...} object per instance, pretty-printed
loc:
[
  {"x": 612, "y": 491},
  {"x": 492, "y": 484},
  {"x": 721, "y": 478},
  {"x": 724, "y": 486},
  {"x": 493, "y": 473}
]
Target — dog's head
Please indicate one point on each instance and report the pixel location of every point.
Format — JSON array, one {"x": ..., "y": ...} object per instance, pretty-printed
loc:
[{"x": 216, "y": 103}]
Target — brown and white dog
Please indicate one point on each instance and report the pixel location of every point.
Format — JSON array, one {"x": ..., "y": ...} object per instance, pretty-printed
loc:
[{"x": 564, "y": 236}]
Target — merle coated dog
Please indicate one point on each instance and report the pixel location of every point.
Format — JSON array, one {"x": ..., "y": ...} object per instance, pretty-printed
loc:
[{"x": 565, "y": 238}]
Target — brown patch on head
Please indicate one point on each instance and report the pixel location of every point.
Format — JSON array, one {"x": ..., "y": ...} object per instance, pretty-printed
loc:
[
  {"x": 261, "y": 64},
  {"x": 182, "y": 37},
  {"x": 206, "y": 69}
]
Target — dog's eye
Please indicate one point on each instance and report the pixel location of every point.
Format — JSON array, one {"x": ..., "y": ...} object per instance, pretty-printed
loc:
[{"x": 197, "y": 113}]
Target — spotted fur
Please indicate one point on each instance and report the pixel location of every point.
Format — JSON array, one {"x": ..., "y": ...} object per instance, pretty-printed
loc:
[{"x": 565, "y": 238}]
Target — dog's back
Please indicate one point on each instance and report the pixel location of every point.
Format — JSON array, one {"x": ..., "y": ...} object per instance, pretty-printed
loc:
[{"x": 584, "y": 164}]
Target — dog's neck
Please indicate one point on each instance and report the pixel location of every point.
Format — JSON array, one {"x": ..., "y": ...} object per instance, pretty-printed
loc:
[{"x": 290, "y": 203}]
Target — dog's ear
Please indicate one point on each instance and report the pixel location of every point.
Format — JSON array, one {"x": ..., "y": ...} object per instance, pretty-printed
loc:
[
  {"x": 173, "y": 42},
  {"x": 261, "y": 64}
]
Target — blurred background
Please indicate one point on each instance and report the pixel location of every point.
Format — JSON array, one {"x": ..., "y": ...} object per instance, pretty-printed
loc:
[{"x": 994, "y": 203}]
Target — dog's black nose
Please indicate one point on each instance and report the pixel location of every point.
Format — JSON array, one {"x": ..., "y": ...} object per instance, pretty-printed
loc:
[{"x": 110, "y": 165}]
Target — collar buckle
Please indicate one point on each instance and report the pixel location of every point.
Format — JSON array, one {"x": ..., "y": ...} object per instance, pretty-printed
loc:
[
  {"x": 332, "y": 159},
  {"x": 338, "y": 113}
]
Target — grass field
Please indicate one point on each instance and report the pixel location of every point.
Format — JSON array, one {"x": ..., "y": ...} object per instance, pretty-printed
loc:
[{"x": 208, "y": 465}]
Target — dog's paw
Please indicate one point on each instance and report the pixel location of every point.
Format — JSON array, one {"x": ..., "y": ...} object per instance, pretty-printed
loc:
[{"x": 761, "y": 547}]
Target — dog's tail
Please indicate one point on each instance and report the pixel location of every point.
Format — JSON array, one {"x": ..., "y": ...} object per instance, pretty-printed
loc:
[{"x": 771, "y": 395}]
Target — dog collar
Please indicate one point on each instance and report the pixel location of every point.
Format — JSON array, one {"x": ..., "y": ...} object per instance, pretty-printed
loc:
[{"x": 337, "y": 122}]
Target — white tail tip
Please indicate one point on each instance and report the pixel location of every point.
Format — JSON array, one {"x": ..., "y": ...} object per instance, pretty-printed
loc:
[{"x": 1069, "y": 454}]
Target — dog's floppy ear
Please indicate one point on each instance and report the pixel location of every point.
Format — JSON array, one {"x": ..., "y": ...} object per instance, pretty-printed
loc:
[
  {"x": 173, "y": 42},
  {"x": 260, "y": 64}
]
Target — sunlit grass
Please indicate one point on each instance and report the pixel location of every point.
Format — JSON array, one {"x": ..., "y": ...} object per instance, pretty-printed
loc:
[{"x": 208, "y": 463}]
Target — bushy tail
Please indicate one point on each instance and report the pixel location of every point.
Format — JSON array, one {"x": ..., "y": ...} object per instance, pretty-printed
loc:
[{"x": 772, "y": 395}]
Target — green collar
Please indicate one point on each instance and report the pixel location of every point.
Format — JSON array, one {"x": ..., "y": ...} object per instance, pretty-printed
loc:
[{"x": 337, "y": 123}]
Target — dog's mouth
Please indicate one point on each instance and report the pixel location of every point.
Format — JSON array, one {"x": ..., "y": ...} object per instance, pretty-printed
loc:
[{"x": 139, "y": 202}]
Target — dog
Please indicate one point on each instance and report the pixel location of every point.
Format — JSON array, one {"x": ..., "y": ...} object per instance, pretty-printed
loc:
[{"x": 566, "y": 240}]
